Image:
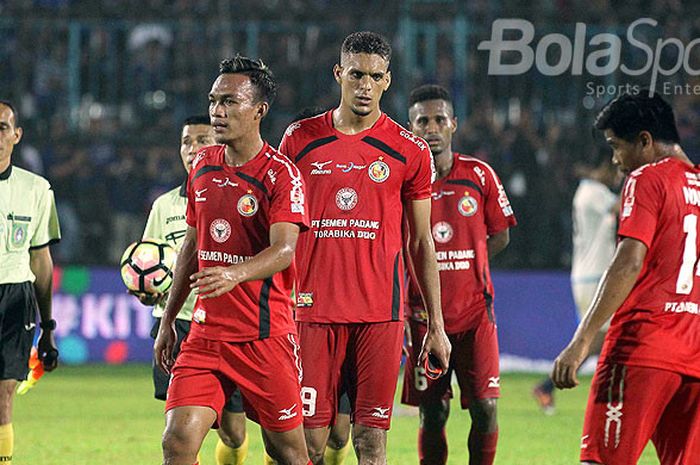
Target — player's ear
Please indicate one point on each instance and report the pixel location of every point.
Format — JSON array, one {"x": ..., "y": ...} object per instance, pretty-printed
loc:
[
  {"x": 646, "y": 139},
  {"x": 387, "y": 80},
  {"x": 337, "y": 71},
  {"x": 454, "y": 124},
  {"x": 263, "y": 108},
  {"x": 18, "y": 135}
]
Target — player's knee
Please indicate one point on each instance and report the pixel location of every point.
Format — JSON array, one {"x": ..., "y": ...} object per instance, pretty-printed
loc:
[
  {"x": 484, "y": 415},
  {"x": 433, "y": 416},
  {"x": 232, "y": 431},
  {"x": 176, "y": 443},
  {"x": 339, "y": 436},
  {"x": 370, "y": 444},
  {"x": 315, "y": 453}
]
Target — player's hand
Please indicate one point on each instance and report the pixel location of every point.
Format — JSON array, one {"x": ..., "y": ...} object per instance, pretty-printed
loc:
[
  {"x": 407, "y": 339},
  {"x": 48, "y": 353},
  {"x": 567, "y": 364},
  {"x": 436, "y": 343},
  {"x": 164, "y": 346},
  {"x": 148, "y": 299},
  {"x": 214, "y": 282}
]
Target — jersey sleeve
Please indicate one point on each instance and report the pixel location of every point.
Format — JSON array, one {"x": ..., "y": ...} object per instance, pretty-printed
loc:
[
  {"x": 287, "y": 144},
  {"x": 154, "y": 227},
  {"x": 641, "y": 206},
  {"x": 420, "y": 175},
  {"x": 47, "y": 229},
  {"x": 498, "y": 212},
  {"x": 288, "y": 203}
]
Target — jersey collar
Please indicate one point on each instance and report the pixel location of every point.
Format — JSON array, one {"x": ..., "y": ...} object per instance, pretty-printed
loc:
[{"x": 6, "y": 174}]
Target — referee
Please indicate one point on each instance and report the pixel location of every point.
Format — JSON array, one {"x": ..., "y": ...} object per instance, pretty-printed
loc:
[{"x": 28, "y": 225}]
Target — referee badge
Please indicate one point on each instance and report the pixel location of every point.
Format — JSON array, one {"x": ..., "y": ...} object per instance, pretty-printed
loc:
[
  {"x": 379, "y": 171},
  {"x": 19, "y": 233},
  {"x": 247, "y": 205},
  {"x": 467, "y": 205}
]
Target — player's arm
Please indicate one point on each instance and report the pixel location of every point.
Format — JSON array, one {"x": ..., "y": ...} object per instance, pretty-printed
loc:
[
  {"x": 615, "y": 286},
  {"x": 421, "y": 250},
  {"x": 186, "y": 265},
  {"x": 217, "y": 280},
  {"x": 496, "y": 243},
  {"x": 41, "y": 265}
]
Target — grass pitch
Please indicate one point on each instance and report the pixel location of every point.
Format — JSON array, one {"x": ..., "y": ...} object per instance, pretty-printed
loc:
[{"x": 106, "y": 415}]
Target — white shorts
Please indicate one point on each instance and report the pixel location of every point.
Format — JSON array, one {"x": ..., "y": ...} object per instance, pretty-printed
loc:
[{"x": 584, "y": 291}]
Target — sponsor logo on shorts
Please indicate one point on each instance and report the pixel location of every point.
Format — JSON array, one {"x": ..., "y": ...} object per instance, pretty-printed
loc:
[
  {"x": 30, "y": 326},
  {"x": 305, "y": 299},
  {"x": 220, "y": 230},
  {"x": 247, "y": 205},
  {"x": 320, "y": 168},
  {"x": 613, "y": 416},
  {"x": 583, "y": 441},
  {"x": 494, "y": 382},
  {"x": 468, "y": 205},
  {"x": 379, "y": 171},
  {"x": 346, "y": 198},
  {"x": 199, "y": 316},
  {"x": 287, "y": 413},
  {"x": 442, "y": 232},
  {"x": 381, "y": 412}
]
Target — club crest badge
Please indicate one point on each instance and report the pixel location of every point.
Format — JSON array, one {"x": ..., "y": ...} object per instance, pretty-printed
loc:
[
  {"x": 247, "y": 205},
  {"x": 346, "y": 198},
  {"x": 442, "y": 232},
  {"x": 220, "y": 230},
  {"x": 467, "y": 205},
  {"x": 379, "y": 171}
]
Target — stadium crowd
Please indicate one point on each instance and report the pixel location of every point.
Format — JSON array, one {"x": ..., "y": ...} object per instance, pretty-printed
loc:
[{"x": 101, "y": 101}]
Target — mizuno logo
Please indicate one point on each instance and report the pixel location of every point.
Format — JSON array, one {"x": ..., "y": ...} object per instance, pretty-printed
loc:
[
  {"x": 30, "y": 326},
  {"x": 320, "y": 165},
  {"x": 381, "y": 412},
  {"x": 288, "y": 413},
  {"x": 494, "y": 382}
]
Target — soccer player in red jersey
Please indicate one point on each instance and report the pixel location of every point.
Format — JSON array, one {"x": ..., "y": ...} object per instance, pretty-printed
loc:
[
  {"x": 245, "y": 210},
  {"x": 647, "y": 382},
  {"x": 365, "y": 172},
  {"x": 470, "y": 218}
]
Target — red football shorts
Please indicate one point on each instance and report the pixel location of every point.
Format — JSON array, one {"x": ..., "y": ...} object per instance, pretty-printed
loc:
[
  {"x": 361, "y": 360},
  {"x": 628, "y": 405},
  {"x": 474, "y": 360},
  {"x": 267, "y": 372}
]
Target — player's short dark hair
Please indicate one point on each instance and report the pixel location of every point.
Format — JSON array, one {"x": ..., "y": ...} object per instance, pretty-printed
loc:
[
  {"x": 429, "y": 92},
  {"x": 258, "y": 72},
  {"x": 367, "y": 42},
  {"x": 197, "y": 119},
  {"x": 12, "y": 108},
  {"x": 307, "y": 112},
  {"x": 630, "y": 114}
]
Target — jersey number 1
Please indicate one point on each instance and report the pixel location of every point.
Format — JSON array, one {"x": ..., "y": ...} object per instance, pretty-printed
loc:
[{"x": 684, "y": 284}]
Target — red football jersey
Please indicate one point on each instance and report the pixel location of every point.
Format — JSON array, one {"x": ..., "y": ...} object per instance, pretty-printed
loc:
[
  {"x": 232, "y": 209},
  {"x": 350, "y": 262},
  {"x": 658, "y": 325},
  {"x": 469, "y": 204}
]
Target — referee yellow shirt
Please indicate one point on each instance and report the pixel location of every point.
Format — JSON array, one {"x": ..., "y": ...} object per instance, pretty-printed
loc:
[
  {"x": 28, "y": 220},
  {"x": 166, "y": 223}
]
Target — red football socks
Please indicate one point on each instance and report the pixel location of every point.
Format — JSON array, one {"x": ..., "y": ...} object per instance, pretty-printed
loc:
[
  {"x": 432, "y": 447},
  {"x": 482, "y": 447}
]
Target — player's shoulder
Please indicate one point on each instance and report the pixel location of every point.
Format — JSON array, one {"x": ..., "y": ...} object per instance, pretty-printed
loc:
[
  {"x": 29, "y": 180},
  {"x": 280, "y": 164},
  {"x": 400, "y": 138},
  {"x": 469, "y": 164},
  {"x": 310, "y": 128},
  {"x": 207, "y": 156},
  {"x": 167, "y": 198}
]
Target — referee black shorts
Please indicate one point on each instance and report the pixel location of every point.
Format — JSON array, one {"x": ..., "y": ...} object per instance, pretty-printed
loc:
[
  {"x": 161, "y": 380},
  {"x": 18, "y": 307}
]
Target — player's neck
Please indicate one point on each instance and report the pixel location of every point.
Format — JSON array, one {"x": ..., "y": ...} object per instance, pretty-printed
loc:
[
  {"x": 347, "y": 122},
  {"x": 240, "y": 151},
  {"x": 4, "y": 164},
  {"x": 673, "y": 151},
  {"x": 443, "y": 162}
]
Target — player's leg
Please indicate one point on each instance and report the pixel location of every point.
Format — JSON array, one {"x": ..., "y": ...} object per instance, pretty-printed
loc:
[
  {"x": 338, "y": 445},
  {"x": 625, "y": 405},
  {"x": 677, "y": 436},
  {"x": 185, "y": 429},
  {"x": 373, "y": 362},
  {"x": 160, "y": 378},
  {"x": 287, "y": 447},
  {"x": 475, "y": 361},
  {"x": 325, "y": 345},
  {"x": 17, "y": 317},
  {"x": 232, "y": 446}
]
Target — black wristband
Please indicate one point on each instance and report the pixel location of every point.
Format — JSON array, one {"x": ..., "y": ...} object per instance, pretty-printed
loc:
[{"x": 49, "y": 325}]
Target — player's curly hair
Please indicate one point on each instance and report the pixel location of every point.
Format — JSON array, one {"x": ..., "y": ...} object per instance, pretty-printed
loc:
[
  {"x": 258, "y": 72},
  {"x": 630, "y": 114},
  {"x": 367, "y": 42},
  {"x": 429, "y": 92}
]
